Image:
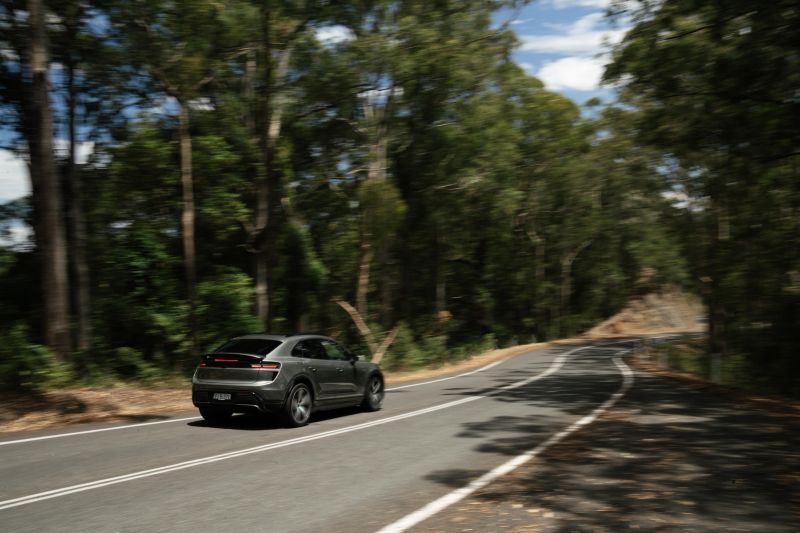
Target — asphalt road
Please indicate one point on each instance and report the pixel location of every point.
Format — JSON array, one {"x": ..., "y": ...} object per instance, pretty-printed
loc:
[{"x": 347, "y": 471}]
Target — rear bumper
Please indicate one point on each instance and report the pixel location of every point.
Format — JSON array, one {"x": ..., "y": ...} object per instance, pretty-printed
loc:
[{"x": 244, "y": 398}]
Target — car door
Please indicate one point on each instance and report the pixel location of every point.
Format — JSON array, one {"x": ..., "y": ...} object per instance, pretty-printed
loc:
[
  {"x": 344, "y": 380},
  {"x": 324, "y": 370}
]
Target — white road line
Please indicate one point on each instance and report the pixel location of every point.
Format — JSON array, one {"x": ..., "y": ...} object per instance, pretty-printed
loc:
[
  {"x": 64, "y": 491},
  {"x": 88, "y": 431},
  {"x": 143, "y": 424},
  {"x": 481, "y": 369},
  {"x": 457, "y": 495}
]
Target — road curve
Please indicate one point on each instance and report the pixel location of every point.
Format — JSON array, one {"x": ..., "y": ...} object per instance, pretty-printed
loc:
[{"x": 347, "y": 471}]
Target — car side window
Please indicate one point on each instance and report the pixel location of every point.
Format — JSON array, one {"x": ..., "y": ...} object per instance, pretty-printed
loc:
[
  {"x": 334, "y": 351},
  {"x": 304, "y": 349}
]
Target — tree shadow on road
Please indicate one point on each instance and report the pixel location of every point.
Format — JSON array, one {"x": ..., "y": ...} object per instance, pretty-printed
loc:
[{"x": 666, "y": 458}]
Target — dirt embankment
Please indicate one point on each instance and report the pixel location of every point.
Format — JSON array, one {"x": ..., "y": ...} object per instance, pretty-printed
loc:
[
  {"x": 663, "y": 311},
  {"x": 667, "y": 310}
]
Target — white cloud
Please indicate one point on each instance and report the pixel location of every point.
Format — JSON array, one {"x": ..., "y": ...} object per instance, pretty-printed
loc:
[
  {"x": 14, "y": 182},
  {"x": 330, "y": 35},
  {"x": 576, "y": 73},
  {"x": 582, "y": 37},
  {"x": 563, "y": 4},
  {"x": 82, "y": 151},
  {"x": 525, "y": 66},
  {"x": 14, "y": 178},
  {"x": 21, "y": 232},
  {"x": 18, "y": 237}
]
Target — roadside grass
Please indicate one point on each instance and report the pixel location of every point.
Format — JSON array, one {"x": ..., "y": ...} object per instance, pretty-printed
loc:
[{"x": 692, "y": 358}]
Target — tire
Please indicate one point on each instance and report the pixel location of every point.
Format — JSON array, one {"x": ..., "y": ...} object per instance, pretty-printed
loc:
[
  {"x": 215, "y": 415},
  {"x": 297, "y": 409},
  {"x": 373, "y": 394}
]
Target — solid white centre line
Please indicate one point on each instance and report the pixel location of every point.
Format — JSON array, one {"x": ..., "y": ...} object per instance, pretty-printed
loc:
[
  {"x": 457, "y": 495},
  {"x": 558, "y": 362}
]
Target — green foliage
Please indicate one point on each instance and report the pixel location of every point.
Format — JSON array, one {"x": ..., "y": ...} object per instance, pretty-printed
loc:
[
  {"x": 735, "y": 369},
  {"x": 408, "y": 352},
  {"x": 383, "y": 206},
  {"x": 492, "y": 210},
  {"x": 128, "y": 363},
  {"x": 25, "y": 366},
  {"x": 714, "y": 88},
  {"x": 225, "y": 308}
]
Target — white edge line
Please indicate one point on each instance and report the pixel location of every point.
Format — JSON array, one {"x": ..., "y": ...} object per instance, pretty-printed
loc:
[
  {"x": 457, "y": 495},
  {"x": 86, "y": 432},
  {"x": 64, "y": 491},
  {"x": 143, "y": 424},
  {"x": 481, "y": 369}
]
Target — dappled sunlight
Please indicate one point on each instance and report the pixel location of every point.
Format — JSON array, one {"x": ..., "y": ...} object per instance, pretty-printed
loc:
[{"x": 667, "y": 458}]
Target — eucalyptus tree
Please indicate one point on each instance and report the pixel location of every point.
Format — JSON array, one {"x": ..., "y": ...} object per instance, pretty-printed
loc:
[
  {"x": 436, "y": 59},
  {"x": 178, "y": 45},
  {"x": 25, "y": 63},
  {"x": 267, "y": 40},
  {"x": 81, "y": 52},
  {"x": 373, "y": 46}
]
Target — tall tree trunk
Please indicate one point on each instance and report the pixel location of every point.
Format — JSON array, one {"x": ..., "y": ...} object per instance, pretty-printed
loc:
[
  {"x": 362, "y": 286},
  {"x": 566, "y": 283},
  {"x": 565, "y": 293},
  {"x": 187, "y": 222},
  {"x": 540, "y": 310},
  {"x": 441, "y": 278},
  {"x": 386, "y": 307},
  {"x": 77, "y": 224},
  {"x": 717, "y": 316},
  {"x": 50, "y": 228},
  {"x": 271, "y": 108},
  {"x": 539, "y": 290},
  {"x": 376, "y": 172},
  {"x": 253, "y": 120}
]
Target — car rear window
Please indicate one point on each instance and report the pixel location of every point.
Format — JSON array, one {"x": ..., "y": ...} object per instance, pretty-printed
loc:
[{"x": 249, "y": 346}]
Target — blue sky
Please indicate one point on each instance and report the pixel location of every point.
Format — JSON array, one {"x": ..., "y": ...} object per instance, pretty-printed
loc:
[{"x": 561, "y": 43}]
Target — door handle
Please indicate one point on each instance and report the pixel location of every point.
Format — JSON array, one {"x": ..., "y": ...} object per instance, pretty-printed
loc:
[
  {"x": 313, "y": 369},
  {"x": 341, "y": 370}
]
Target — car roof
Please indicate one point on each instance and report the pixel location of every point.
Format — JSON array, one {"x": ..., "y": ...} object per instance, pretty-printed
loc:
[{"x": 281, "y": 337}]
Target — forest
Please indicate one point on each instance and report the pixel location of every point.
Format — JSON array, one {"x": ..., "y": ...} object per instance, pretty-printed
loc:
[{"x": 383, "y": 171}]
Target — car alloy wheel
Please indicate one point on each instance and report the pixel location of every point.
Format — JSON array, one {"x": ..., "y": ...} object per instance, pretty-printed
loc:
[
  {"x": 298, "y": 408},
  {"x": 374, "y": 394}
]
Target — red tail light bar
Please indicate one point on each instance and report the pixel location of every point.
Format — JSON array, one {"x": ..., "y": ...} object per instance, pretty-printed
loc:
[{"x": 273, "y": 366}]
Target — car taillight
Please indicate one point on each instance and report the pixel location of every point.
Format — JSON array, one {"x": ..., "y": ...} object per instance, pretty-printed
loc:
[
  {"x": 221, "y": 360},
  {"x": 202, "y": 364},
  {"x": 273, "y": 366}
]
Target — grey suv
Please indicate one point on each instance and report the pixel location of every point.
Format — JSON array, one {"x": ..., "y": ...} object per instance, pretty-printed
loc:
[{"x": 290, "y": 375}]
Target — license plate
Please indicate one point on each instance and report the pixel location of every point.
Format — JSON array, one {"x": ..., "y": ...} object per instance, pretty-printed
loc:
[{"x": 221, "y": 396}]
